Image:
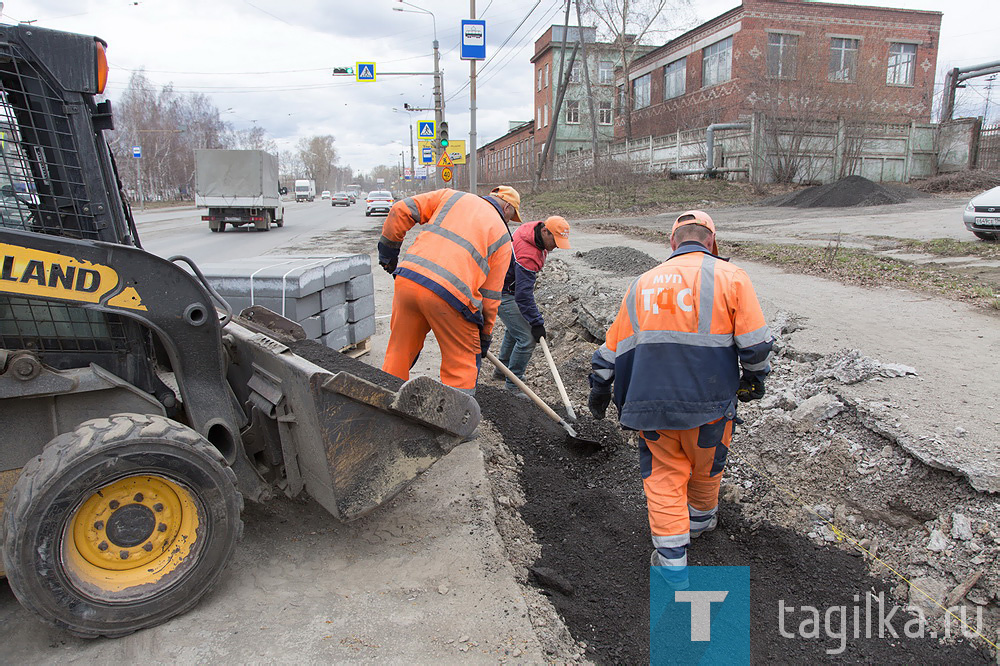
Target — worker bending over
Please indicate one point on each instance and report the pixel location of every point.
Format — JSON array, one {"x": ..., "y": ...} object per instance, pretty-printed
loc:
[
  {"x": 450, "y": 279},
  {"x": 531, "y": 242},
  {"x": 673, "y": 355}
]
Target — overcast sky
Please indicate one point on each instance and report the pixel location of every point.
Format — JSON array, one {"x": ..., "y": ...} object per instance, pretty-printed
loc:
[{"x": 271, "y": 62}]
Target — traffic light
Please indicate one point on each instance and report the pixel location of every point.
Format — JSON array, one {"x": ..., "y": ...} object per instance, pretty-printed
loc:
[{"x": 443, "y": 134}]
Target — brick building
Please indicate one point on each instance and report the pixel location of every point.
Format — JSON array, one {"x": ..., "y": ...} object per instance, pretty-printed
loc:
[
  {"x": 785, "y": 57},
  {"x": 509, "y": 158}
]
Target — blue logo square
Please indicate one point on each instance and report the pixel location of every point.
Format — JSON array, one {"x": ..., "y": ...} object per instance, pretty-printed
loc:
[{"x": 707, "y": 623}]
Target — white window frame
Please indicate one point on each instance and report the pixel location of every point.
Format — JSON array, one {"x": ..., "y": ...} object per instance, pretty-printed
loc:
[
  {"x": 782, "y": 52},
  {"x": 539, "y": 79},
  {"x": 675, "y": 79},
  {"x": 572, "y": 112},
  {"x": 902, "y": 65},
  {"x": 545, "y": 115},
  {"x": 606, "y": 72},
  {"x": 844, "y": 50},
  {"x": 641, "y": 92},
  {"x": 717, "y": 63},
  {"x": 546, "y": 75},
  {"x": 605, "y": 112}
]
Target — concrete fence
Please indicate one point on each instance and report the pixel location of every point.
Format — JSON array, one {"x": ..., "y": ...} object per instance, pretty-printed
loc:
[{"x": 803, "y": 151}]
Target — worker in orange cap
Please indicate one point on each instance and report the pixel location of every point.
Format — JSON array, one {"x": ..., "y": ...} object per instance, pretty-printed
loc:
[
  {"x": 449, "y": 281},
  {"x": 531, "y": 242},
  {"x": 673, "y": 355}
]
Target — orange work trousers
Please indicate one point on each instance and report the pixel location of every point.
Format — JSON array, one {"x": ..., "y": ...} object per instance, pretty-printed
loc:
[
  {"x": 681, "y": 473},
  {"x": 417, "y": 310}
]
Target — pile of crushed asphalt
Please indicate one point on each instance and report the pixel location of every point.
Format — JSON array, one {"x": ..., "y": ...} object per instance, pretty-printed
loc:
[
  {"x": 619, "y": 260},
  {"x": 588, "y": 514},
  {"x": 333, "y": 361},
  {"x": 849, "y": 191}
]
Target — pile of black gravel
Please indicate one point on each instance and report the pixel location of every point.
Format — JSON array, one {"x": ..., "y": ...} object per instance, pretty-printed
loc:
[
  {"x": 588, "y": 514},
  {"x": 619, "y": 260},
  {"x": 846, "y": 192}
]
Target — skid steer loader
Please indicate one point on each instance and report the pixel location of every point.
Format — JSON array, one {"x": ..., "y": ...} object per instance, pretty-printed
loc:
[{"x": 136, "y": 412}]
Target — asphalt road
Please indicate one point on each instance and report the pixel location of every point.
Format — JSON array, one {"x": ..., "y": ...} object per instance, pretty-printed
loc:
[{"x": 173, "y": 231}]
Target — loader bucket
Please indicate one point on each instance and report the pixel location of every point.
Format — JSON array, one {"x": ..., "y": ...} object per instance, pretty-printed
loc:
[{"x": 350, "y": 443}]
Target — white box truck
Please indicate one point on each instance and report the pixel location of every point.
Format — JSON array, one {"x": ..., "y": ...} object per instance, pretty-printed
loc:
[
  {"x": 305, "y": 190},
  {"x": 238, "y": 187}
]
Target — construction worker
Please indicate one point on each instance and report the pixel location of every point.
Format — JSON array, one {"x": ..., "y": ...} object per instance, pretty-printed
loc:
[
  {"x": 531, "y": 242},
  {"x": 673, "y": 356},
  {"x": 450, "y": 279}
]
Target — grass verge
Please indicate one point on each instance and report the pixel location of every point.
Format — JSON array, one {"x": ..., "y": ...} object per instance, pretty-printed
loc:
[{"x": 851, "y": 266}]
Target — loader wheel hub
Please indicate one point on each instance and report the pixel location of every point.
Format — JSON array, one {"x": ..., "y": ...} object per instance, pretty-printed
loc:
[
  {"x": 131, "y": 525},
  {"x": 131, "y": 532}
]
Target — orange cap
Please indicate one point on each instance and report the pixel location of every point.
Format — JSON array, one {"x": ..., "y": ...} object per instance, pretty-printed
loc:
[
  {"x": 560, "y": 229},
  {"x": 510, "y": 195},
  {"x": 700, "y": 218}
]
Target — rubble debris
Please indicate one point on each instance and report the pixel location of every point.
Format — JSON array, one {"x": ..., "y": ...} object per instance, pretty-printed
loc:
[
  {"x": 961, "y": 527},
  {"x": 927, "y": 594},
  {"x": 817, "y": 408},
  {"x": 849, "y": 191},
  {"x": 620, "y": 260},
  {"x": 938, "y": 542},
  {"x": 850, "y": 367}
]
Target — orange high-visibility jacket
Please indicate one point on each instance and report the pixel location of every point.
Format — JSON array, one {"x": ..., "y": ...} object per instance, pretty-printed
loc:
[
  {"x": 461, "y": 254},
  {"x": 683, "y": 332}
]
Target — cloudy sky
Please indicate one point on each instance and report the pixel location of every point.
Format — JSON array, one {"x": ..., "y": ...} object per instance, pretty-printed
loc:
[{"x": 270, "y": 63}]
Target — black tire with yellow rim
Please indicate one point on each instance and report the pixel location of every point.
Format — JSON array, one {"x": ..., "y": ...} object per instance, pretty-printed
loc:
[{"x": 119, "y": 525}]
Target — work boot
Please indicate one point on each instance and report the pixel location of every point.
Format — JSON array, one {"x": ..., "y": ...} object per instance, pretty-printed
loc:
[
  {"x": 497, "y": 375},
  {"x": 676, "y": 577},
  {"x": 518, "y": 393},
  {"x": 712, "y": 524}
]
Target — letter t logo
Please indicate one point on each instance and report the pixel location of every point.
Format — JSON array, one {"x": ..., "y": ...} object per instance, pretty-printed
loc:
[{"x": 701, "y": 606}]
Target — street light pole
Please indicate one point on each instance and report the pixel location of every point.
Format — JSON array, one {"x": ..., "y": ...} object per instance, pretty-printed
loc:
[
  {"x": 438, "y": 82},
  {"x": 473, "y": 184}
]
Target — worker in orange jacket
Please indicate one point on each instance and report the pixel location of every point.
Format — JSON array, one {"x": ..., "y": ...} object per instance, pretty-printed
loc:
[
  {"x": 449, "y": 280},
  {"x": 674, "y": 355}
]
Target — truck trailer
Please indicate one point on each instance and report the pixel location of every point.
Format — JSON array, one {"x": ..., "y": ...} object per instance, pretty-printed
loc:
[{"x": 238, "y": 187}]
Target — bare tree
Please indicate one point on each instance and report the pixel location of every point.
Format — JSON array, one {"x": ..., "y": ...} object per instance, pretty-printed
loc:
[
  {"x": 319, "y": 157},
  {"x": 628, "y": 24},
  {"x": 252, "y": 138}
]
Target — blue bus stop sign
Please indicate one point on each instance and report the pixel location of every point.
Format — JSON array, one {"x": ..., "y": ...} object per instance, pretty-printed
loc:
[
  {"x": 473, "y": 39},
  {"x": 136, "y": 151}
]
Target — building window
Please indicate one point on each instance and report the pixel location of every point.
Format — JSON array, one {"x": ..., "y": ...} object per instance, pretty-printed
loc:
[
  {"x": 572, "y": 112},
  {"x": 717, "y": 62},
  {"x": 640, "y": 92},
  {"x": 546, "y": 75},
  {"x": 902, "y": 62},
  {"x": 538, "y": 116},
  {"x": 781, "y": 55},
  {"x": 844, "y": 59},
  {"x": 545, "y": 115},
  {"x": 606, "y": 72},
  {"x": 574, "y": 73},
  {"x": 604, "y": 113},
  {"x": 674, "y": 79},
  {"x": 620, "y": 98},
  {"x": 539, "y": 78}
]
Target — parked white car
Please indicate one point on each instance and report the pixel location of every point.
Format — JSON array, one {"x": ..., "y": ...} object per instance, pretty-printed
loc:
[
  {"x": 379, "y": 201},
  {"x": 982, "y": 215}
]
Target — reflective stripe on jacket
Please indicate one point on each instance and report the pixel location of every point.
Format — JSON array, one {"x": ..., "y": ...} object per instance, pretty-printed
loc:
[
  {"x": 682, "y": 333},
  {"x": 461, "y": 254},
  {"x": 523, "y": 271}
]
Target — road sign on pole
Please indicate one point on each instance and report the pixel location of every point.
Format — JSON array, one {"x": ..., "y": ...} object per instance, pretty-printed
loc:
[
  {"x": 473, "y": 39},
  {"x": 427, "y": 155},
  {"x": 445, "y": 161},
  {"x": 446, "y": 174},
  {"x": 364, "y": 71},
  {"x": 136, "y": 151},
  {"x": 426, "y": 129}
]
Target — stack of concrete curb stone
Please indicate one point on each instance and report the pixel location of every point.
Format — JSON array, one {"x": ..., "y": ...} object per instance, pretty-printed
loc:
[{"x": 332, "y": 297}]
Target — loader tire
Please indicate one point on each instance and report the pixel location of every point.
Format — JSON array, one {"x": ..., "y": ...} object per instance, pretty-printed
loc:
[{"x": 119, "y": 525}]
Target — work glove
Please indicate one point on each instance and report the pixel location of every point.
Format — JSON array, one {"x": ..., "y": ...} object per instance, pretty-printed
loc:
[
  {"x": 538, "y": 332},
  {"x": 390, "y": 267},
  {"x": 751, "y": 388},
  {"x": 598, "y": 403},
  {"x": 484, "y": 343}
]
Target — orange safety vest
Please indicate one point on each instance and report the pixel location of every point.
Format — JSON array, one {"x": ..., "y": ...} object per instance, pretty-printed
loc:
[
  {"x": 461, "y": 254},
  {"x": 682, "y": 334}
]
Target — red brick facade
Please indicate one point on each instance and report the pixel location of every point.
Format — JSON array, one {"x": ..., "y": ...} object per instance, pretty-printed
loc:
[
  {"x": 508, "y": 159},
  {"x": 791, "y": 57}
]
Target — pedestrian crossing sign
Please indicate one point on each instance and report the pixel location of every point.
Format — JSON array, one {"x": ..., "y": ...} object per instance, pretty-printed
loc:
[
  {"x": 364, "y": 71},
  {"x": 426, "y": 129}
]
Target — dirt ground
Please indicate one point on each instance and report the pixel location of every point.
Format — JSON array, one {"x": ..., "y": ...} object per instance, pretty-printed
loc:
[{"x": 878, "y": 432}]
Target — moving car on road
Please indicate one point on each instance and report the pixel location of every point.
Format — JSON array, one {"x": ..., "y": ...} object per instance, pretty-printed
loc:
[
  {"x": 379, "y": 201},
  {"x": 982, "y": 215},
  {"x": 339, "y": 199},
  {"x": 325, "y": 194},
  {"x": 353, "y": 197}
]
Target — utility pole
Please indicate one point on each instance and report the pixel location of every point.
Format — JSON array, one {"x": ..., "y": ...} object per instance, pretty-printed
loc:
[
  {"x": 438, "y": 80},
  {"x": 473, "y": 165},
  {"x": 989, "y": 90},
  {"x": 413, "y": 168}
]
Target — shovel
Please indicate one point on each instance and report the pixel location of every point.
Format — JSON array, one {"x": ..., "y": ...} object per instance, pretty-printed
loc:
[
  {"x": 570, "y": 414},
  {"x": 574, "y": 441}
]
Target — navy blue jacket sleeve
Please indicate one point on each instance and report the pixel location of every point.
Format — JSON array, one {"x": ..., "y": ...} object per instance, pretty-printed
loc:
[{"x": 524, "y": 295}]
